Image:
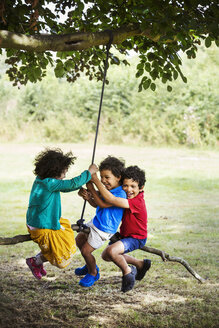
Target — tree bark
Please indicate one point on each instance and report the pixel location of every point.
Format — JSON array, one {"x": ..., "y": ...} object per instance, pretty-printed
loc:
[
  {"x": 165, "y": 256},
  {"x": 68, "y": 42}
]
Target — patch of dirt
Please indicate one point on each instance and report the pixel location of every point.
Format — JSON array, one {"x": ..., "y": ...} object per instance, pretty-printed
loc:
[{"x": 58, "y": 300}]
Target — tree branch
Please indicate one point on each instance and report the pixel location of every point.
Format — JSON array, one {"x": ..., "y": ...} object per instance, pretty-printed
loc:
[
  {"x": 22, "y": 238},
  {"x": 165, "y": 256},
  {"x": 68, "y": 42}
]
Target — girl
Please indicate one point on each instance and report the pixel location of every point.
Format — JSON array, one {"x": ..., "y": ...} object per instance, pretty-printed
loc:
[{"x": 47, "y": 228}]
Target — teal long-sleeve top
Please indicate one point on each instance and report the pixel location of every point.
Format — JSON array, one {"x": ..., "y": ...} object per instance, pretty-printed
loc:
[{"x": 44, "y": 210}]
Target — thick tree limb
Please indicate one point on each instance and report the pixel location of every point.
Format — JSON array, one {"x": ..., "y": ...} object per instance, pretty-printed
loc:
[
  {"x": 22, "y": 238},
  {"x": 68, "y": 42},
  {"x": 165, "y": 257}
]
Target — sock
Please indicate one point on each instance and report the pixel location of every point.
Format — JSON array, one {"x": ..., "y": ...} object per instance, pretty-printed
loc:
[{"x": 38, "y": 259}]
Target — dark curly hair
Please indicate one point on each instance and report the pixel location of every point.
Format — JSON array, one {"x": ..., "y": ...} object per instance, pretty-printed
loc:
[
  {"x": 136, "y": 174},
  {"x": 50, "y": 163},
  {"x": 113, "y": 164}
]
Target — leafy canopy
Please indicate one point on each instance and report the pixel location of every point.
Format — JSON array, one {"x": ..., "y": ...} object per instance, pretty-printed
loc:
[{"x": 158, "y": 31}]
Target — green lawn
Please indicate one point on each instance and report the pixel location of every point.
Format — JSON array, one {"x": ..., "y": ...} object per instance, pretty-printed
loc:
[{"x": 182, "y": 197}]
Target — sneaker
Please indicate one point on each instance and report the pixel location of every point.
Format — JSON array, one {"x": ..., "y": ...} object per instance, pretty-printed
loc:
[
  {"x": 35, "y": 269},
  {"x": 42, "y": 270},
  {"x": 128, "y": 280},
  {"x": 141, "y": 273},
  {"x": 89, "y": 280}
]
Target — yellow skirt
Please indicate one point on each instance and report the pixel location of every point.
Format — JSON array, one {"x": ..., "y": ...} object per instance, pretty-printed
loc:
[{"x": 57, "y": 246}]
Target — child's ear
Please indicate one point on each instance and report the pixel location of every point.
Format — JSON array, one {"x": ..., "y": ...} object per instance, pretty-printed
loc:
[{"x": 141, "y": 188}]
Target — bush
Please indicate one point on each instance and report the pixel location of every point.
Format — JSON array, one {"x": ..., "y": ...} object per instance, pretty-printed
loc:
[{"x": 55, "y": 110}]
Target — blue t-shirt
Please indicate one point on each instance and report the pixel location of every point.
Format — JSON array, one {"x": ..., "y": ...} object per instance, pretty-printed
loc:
[{"x": 108, "y": 219}]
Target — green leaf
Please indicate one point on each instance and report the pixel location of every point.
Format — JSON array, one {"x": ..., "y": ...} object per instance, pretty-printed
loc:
[
  {"x": 169, "y": 88},
  {"x": 125, "y": 62},
  {"x": 37, "y": 72},
  {"x": 44, "y": 63},
  {"x": 146, "y": 84},
  {"x": 140, "y": 88},
  {"x": 151, "y": 56},
  {"x": 115, "y": 60},
  {"x": 10, "y": 52},
  {"x": 217, "y": 42},
  {"x": 153, "y": 86},
  {"x": 208, "y": 42},
  {"x": 139, "y": 73},
  {"x": 175, "y": 74},
  {"x": 61, "y": 55},
  {"x": 147, "y": 67},
  {"x": 140, "y": 66},
  {"x": 184, "y": 79},
  {"x": 154, "y": 74},
  {"x": 69, "y": 65},
  {"x": 59, "y": 70}
]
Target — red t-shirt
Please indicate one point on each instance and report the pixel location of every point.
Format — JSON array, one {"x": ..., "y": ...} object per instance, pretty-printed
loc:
[{"x": 134, "y": 220}]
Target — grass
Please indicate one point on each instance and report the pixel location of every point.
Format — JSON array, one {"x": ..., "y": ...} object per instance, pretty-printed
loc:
[{"x": 181, "y": 192}]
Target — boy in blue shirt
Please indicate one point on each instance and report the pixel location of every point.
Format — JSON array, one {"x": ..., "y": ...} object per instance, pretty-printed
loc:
[{"x": 106, "y": 221}]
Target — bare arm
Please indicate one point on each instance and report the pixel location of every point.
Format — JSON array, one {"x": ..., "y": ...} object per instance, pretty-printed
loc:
[
  {"x": 108, "y": 196},
  {"x": 96, "y": 196},
  {"x": 86, "y": 195}
]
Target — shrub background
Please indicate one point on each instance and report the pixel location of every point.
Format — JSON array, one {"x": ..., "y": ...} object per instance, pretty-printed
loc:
[{"x": 54, "y": 110}]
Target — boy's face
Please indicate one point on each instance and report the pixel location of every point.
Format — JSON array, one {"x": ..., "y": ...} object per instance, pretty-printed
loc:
[
  {"x": 131, "y": 188},
  {"x": 109, "y": 180}
]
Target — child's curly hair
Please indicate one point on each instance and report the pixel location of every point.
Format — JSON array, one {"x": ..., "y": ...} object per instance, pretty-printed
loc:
[
  {"x": 50, "y": 163},
  {"x": 136, "y": 174},
  {"x": 113, "y": 164}
]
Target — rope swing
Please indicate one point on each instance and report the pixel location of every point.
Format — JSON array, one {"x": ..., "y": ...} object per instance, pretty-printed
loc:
[{"x": 80, "y": 222}]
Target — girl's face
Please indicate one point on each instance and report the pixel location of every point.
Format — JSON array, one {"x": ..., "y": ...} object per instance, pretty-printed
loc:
[
  {"x": 62, "y": 176},
  {"x": 109, "y": 180},
  {"x": 131, "y": 188}
]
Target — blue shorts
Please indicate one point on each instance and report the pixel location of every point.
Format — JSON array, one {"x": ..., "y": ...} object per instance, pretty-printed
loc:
[{"x": 130, "y": 244}]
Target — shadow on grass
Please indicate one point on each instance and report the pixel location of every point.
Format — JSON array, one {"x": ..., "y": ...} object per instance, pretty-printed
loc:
[{"x": 163, "y": 300}]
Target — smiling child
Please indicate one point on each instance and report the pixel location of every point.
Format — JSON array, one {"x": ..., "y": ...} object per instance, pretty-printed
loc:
[{"x": 133, "y": 230}]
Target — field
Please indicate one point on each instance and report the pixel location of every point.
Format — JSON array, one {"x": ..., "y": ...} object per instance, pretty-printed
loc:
[{"x": 182, "y": 193}]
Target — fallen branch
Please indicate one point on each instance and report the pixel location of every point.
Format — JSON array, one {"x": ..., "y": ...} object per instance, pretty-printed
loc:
[{"x": 165, "y": 256}]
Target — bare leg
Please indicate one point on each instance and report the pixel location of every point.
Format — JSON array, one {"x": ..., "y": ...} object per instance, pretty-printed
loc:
[
  {"x": 86, "y": 252},
  {"x": 107, "y": 256},
  {"x": 115, "y": 253},
  {"x": 131, "y": 260},
  {"x": 81, "y": 239},
  {"x": 40, "y": 259}
]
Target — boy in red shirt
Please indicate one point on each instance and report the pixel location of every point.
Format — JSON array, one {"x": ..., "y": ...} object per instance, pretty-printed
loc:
[{"x": 133, "y": 230}]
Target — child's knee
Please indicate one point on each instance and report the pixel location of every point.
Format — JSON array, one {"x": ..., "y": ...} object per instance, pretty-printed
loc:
[
  {"x": 108, "y": 254},
  {"x": 104, "y": 256},
  {"x": 80, "y": 240},
  {"x": 111, "y": 252}
]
